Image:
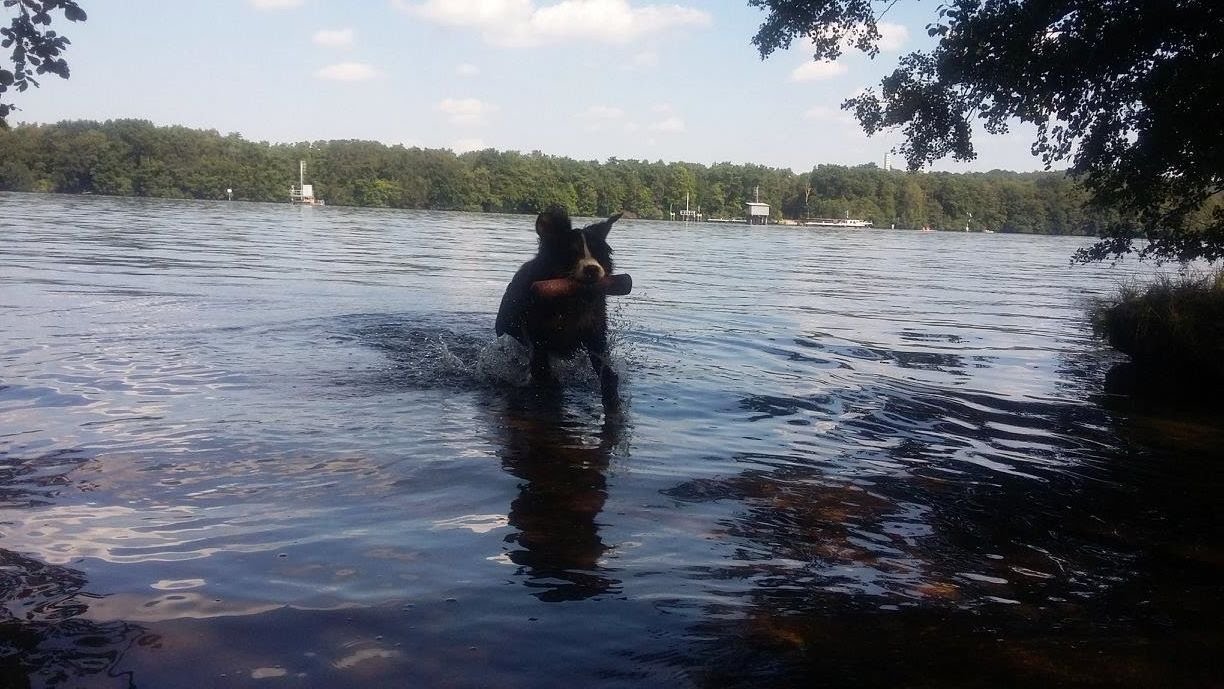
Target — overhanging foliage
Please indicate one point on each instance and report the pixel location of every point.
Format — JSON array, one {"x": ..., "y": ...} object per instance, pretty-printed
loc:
[
  {"x": 35, "y": 48},
  {"x": 1129, "y": 91}
]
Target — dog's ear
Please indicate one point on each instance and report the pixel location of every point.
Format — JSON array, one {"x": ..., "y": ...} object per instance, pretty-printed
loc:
[
  {"x": 543, "y": 225},
  {"x": 601, "y": 229},
  {"x": 552, "y": 221}
]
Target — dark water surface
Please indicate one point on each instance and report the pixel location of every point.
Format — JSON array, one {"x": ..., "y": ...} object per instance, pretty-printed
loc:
[{"x": 251, "y": 445}]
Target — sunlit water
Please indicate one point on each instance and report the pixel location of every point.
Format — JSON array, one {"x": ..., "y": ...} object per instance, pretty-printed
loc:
[{"x": 265, "y": 445}]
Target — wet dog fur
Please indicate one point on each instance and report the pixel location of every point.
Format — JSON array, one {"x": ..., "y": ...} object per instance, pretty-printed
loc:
[{"x": 560, "y": 326}]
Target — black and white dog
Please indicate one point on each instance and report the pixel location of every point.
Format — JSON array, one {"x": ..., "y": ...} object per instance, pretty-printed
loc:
[{"x": 561, "y": 325}]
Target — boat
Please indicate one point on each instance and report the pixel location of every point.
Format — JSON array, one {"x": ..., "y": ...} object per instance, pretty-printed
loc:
[{"x": 836, "y": 222}]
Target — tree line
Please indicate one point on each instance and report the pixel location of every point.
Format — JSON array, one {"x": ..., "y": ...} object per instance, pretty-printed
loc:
[{"x": 137, "y": 158}]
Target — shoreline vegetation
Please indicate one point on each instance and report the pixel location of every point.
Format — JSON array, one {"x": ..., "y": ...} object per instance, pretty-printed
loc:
[
  {"x": 1173, "y": 331},
  {"x": 137, "y": 158}
]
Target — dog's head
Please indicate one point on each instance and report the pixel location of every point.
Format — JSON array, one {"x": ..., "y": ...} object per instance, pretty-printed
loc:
[{"x": 581, "y": 254}]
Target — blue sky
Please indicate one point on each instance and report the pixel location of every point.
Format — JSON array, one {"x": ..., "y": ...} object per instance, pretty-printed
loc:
[{"x": 589, "y": 79}]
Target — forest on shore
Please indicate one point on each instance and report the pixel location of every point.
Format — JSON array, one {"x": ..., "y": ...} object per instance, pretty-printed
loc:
[{"x": 138, "y": 158}]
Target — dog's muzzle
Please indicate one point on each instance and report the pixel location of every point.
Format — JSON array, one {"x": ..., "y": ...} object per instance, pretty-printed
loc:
[{"x": 589, "y": 271}]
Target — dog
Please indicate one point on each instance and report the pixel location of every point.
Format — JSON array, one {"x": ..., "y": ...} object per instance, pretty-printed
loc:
[{"x": 560, "y": 326}]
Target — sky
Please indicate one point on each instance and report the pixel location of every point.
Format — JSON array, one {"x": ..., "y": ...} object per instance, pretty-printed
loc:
[{"x": 677, "y": 80}]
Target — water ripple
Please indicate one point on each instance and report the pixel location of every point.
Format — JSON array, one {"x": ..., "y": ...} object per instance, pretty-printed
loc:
[{"x": 224, "y": 421}]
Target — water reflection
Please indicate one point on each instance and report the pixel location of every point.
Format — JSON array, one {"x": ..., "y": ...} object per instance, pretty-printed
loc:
[
  {"x": 561, "y": 462},
  {"x": 898, "y": 473},
  {"x": 883, "y": 467},
  {"x": 936, "y": 357},
  {"x": 895, "y": 563},
  {"x": 46, "y": 636},
  {"x": 46, "y": 639},
  {"x": 27, "y": 482},
  {"x": 973, "y": 585},
  {"x": 934, "y": 431}
]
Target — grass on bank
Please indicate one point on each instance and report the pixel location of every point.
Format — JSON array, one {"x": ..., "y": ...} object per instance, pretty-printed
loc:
[{"x": 1173, "y": 326}]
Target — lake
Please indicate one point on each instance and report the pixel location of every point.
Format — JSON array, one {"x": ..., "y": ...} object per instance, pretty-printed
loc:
[{"x": 257, "y": 445}]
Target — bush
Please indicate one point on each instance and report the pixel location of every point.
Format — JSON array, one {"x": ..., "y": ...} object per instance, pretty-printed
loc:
[{"x": 1173, "y": 326}]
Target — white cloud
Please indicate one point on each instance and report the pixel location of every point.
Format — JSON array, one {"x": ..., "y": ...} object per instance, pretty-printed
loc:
[
  {"x": 467, "y": 70},
  {"x": 520, "y": 23},
  {"x": 347, "y": 71},
  {"x": 892, "y": 36},
  {"x": 824, "y": 113},
  {"x": 603, "y": 112},
  {"x": 817, "y": 71},
  {"x": 612, "y": 20},
  {"x": 466, "y": 111},
  {"x": 670, "y": 125},
  {"x": 466, "y": 12},
  {"x": 275, "y": 4},
  {"x": 333, "y": 38},
  {"x": 644, "y": 60},
  {"x": 597, "y": 117},
  {"x": 467, "y": 145}
]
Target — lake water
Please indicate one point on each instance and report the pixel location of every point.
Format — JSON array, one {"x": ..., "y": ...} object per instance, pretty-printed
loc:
[{"x": 248, "y": 445}]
